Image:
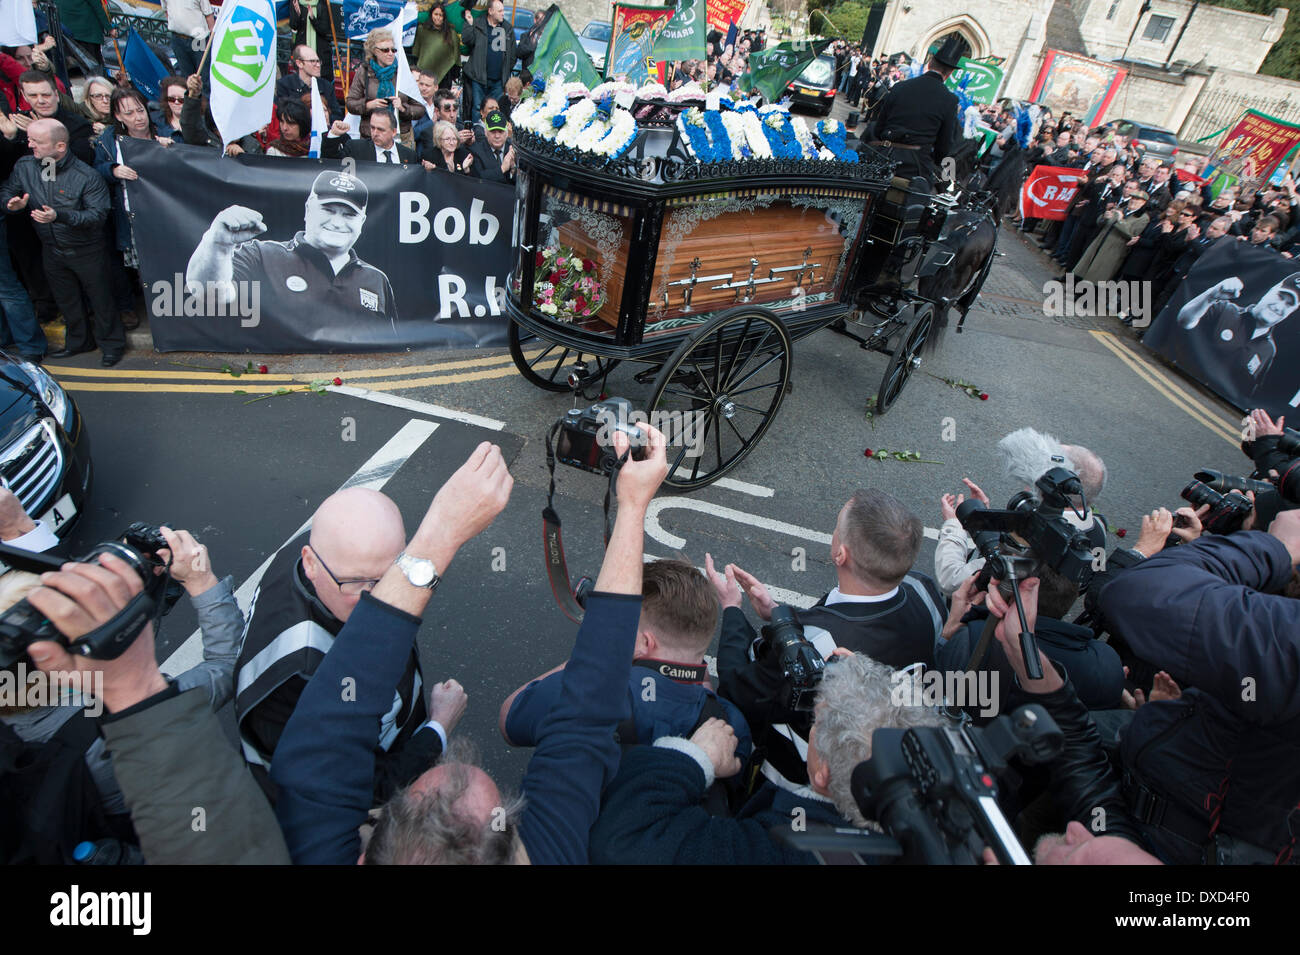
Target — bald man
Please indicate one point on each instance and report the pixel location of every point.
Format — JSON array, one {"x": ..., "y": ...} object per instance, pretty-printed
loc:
[{"x": 306, "y": 596}]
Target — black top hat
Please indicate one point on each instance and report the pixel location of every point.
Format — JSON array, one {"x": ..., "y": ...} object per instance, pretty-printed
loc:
[{"x": 951, "y": 52}]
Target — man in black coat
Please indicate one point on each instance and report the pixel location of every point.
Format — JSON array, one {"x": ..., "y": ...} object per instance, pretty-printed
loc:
[
  {"x": 494, "y": 156},
  {"x": 917, "y": 120},
  {"x": 382, "y": 146},
  {"x": 38, "y": 88},
  {"x": 297, "y": 86},
  {"x": 1214, "y": 774}
]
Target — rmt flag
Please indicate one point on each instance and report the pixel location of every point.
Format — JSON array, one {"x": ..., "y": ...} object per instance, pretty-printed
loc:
[
  {"x": 1048, "y": 191},
  {"x": 243, "y": 67}
]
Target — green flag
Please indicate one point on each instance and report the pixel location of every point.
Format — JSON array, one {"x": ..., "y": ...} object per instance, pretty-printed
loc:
[
  {"x": 983, "y": 80},
  {"x": 558, "y": 52},
  {"x": 771, "y": 70},
  {"x": 683, "y": 37}
]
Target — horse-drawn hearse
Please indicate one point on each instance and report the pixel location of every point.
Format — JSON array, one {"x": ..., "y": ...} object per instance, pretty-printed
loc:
[{"x": 704, "y": 262}]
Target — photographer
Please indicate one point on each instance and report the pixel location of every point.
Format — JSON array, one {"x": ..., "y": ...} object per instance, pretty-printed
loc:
[
  {"x": 65, "y": 730},
  {"x": 170, "y": 754},
  {"x": 1083, "y": 786},
  {"x": 1213, "y": 774},
  {"x": 668, "y": 684},
  {"x": 1093, "y": 666},
  {"x": 652, "y": 812},
  {"x": 880, "y": 608},
  {"x": 454, "y": 812}
]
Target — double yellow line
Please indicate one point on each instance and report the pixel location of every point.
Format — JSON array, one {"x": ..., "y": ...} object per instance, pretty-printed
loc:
[
  {"x": 180, "y": 381},
  {"x": 1161, "y": 382}
]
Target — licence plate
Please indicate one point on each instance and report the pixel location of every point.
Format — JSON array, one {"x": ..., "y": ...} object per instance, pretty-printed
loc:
[
  {"x": 807, "y": 92},
  {"x": 58, "y": 515}
]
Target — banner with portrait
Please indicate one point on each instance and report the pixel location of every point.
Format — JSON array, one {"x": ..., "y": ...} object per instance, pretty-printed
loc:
[
  {"x": 1234, "y": 326},
  {"x": 632, "y": 37},
  {"x": 1250, "y": 150},
  {"x": 1082, "y": 87},
  {"x": 272, "y": 255}
]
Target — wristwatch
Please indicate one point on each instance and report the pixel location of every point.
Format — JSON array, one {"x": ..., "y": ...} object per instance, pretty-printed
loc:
[{"x": 419, "y": 571}]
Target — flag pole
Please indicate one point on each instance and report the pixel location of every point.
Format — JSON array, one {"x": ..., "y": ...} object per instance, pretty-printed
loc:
[
  {"x": 121, "y": 67},
  {"x": 334, "y": 48},
  {"x": 206, "y": 46}
]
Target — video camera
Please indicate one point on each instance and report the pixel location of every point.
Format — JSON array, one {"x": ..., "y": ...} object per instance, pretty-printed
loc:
[
  {"x": 1033, "y": 530},
  {"x": 934, "y": 789},
  {"x": 22, "y": 624},
  {"x": 1028, "y": 535}
]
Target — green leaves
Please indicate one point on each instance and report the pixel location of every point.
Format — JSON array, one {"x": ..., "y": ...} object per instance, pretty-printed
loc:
[
  {"x": 973, "y": 390},
  {"x": 884, "y": 454}
]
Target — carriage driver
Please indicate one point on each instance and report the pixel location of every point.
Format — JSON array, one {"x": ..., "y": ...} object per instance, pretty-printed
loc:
[{"x": 916, "y": 124}]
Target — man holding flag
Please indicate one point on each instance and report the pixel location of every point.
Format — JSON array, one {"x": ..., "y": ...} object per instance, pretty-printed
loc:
[
  {"x": 683, "y": 38},
  {"x": 553, "y": 49}
]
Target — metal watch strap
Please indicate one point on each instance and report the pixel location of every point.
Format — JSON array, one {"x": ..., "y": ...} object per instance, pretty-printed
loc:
[{"x": 406, "y": 563}]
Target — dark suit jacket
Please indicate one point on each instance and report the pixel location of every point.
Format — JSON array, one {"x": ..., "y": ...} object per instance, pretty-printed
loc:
[
  {"x": 362, "y": 150},
  {"x": 486, "y": 165},
  {"x": 919, "y": 112},
  {"x": 294, "y": 87}
]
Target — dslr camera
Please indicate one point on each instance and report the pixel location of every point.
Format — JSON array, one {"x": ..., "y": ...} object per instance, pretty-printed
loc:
[
  {"x": 802, "y": 667},
  {"x": 22, "y": 624},
  {"x": 586, "y": 436}
]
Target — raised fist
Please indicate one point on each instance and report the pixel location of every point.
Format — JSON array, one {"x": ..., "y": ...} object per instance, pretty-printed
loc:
[{"x": 236, "y": 224}]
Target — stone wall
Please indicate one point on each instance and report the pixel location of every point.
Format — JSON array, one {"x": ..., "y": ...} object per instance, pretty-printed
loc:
[{"x": 1216, "y": 36}]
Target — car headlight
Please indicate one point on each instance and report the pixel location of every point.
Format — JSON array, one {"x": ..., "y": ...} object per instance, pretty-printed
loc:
[{"x": 52, "y": 394}]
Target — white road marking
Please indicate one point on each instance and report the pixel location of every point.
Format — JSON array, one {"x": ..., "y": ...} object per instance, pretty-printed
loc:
[
  {"x": 744, "y": 487},
  {"x": 374, "y": 474},
  {"x": 423, "y": 407},
  {"x": 672, "y": 541}
]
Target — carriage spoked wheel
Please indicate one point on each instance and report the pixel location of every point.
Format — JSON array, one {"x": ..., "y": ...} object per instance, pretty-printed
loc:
[
  {"x": 718, "y": 392},
  {"x": 906, "y": 358},
  {"x": 548, "y": 365}
]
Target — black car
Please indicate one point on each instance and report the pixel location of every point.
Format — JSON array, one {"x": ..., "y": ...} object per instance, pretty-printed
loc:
[
  {"x": 815, "y": 86},
  {"x": 44, "y": 448}
]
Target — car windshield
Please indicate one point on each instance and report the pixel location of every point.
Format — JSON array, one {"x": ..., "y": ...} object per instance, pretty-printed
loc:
[
  {"x": 820, "y": 70},
  {"x": 523, "y": 18},
  {"x": 1158, "y": 136},
  {"x": 597, "y": 31}
]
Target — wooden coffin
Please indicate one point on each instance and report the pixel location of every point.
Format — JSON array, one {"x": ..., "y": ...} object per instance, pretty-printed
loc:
[{"x": 711, "y": 258}]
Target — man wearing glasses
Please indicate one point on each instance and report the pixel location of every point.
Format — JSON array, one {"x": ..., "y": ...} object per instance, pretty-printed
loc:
[
  {"x": 306, "y": 596},
  {"x": 297, "y": 85}
]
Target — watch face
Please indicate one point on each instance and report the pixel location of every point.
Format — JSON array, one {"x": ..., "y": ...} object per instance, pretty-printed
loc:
[{"x": 419, "y": 572}]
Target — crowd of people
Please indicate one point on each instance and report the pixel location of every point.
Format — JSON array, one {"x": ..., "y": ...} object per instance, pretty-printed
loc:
[
  {"x": 1172, "y": 691},
  {"x": 1141, "y": 217}
]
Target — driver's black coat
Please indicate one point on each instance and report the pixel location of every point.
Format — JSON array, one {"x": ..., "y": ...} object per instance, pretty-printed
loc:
[{"x": 917, "y": 112}]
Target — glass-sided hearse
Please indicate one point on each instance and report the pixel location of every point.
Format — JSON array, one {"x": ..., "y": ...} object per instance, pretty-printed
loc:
[{"x": 707, "y": 273}]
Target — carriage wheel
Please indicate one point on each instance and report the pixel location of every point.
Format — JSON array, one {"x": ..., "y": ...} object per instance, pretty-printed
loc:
[
  {"x": 905, "y": 360},
  {"x": 718, "y": 393},
  {"x": 547, "y": 368}
]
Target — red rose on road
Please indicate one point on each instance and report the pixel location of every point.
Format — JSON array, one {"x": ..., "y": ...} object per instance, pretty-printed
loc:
[
  {"x": 984, "y": 396},
  {"x": 1121, "y": 532},
  {"x": 337, "y": 382},
  {"x": 261, "y": 369}
]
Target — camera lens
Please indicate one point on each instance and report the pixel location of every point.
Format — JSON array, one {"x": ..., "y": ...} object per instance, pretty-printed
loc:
[{"x": 1197, "y": 493}]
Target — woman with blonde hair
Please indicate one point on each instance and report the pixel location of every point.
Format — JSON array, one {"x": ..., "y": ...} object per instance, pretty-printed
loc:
[
  {"x": 97, "y": 105},
  {"x": 449, "y": 155},
  {"x": 374, "y": 86}
]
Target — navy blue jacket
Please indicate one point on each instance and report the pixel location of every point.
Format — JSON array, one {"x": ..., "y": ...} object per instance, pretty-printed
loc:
[
  {"x": 662, "y": 707},
  {"x": 653, "y": 816},
  {"x": 1227, "y": 752},
  {"x": 324, "y": 763}
]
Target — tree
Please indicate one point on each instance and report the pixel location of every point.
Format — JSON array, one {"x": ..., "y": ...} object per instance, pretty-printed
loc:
[
  {"x": 1284, "y": 59},
  {"x": 846, "y": 19}
]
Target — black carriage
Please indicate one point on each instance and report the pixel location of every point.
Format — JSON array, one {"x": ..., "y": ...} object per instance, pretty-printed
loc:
[{"x": 709, "y": 273}]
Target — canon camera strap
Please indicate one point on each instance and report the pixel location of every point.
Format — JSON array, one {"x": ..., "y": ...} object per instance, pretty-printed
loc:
[{"x": 557, "y": 571}]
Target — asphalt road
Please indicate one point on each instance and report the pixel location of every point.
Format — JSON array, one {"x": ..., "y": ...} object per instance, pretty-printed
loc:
[{"x": 174, "y": 443}]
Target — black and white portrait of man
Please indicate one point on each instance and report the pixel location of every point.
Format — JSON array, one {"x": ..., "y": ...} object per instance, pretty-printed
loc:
[
  {"x": 1242, "y": 333},
  {"x": 312, "y": 280}
]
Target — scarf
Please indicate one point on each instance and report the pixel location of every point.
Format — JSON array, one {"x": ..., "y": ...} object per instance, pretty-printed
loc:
[
  {"x": 309, "y": 37},
  {"x": 297, "y": 148},
  {"x": 387, "y": 77}
]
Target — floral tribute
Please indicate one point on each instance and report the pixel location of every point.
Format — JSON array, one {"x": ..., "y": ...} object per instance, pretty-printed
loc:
[{"x": 565, "y": 286}]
